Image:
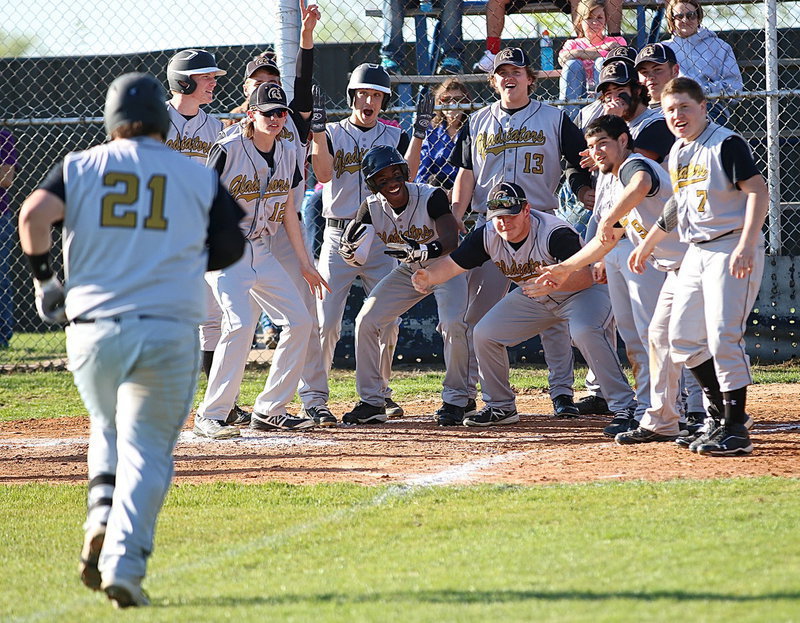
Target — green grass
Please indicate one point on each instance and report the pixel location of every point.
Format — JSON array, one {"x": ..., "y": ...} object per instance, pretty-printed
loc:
[
  {"x": 52, "y": 394},
  {"x": 674, "y": 551}
]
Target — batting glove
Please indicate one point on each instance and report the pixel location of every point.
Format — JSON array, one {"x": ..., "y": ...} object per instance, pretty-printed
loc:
[
  {"x": 318, "y": 115},
  {"x": 408, "y": 252},
  {"x": 50, "y": 300},
  {"x": 352, "y": 237},
  {"x": 422, "y": 120}
]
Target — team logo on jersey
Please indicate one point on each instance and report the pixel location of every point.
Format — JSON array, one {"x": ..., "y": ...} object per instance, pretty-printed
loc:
[
  {"x": 519, "y": 272},
  {"x": 347, "y": 162},
  {"x": 494, "y": 144},
  {"x": 286, "y": 134},
  {"x": 277, "y": 187},
  {"x": 192, "y": 146},
  {"x": 692, "y": 173},
  {"x": 243, "y": 189},
  {"x": 418, "y": 234}
]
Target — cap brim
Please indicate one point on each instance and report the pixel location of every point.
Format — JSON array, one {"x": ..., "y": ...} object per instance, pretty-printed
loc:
[
  {"x": 494, "y": 71},
  {"x": 657, "y": 61},
  {"x": 600, "y": 86},
  {"x": 509, "y": 211},
  {"x": 209, "y": 70},
  {"x": 269, "y": 107}
]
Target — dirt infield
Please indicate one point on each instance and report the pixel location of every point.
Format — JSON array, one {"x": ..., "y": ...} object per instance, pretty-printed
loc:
[{"x": 540, "y": 449}]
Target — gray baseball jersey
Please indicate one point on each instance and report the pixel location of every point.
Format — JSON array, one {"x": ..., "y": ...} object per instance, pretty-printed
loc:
[
  {"x": 134, "y": 183},
  {"x": 262, "y": 191},
  {"x": 192, "y": 137},
  {"x": 523, "y": 148},
  {"x": 347, "y": 189},
  {"x": 709, "y": 206}
]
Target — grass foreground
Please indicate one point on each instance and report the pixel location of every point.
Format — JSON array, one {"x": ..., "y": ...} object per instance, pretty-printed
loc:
[{"x": 636, "y": 551}]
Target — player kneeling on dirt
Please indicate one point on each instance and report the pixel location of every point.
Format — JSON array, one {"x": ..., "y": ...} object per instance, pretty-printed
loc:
[
  {"x": 416, "y": 226},
  {"x": 521, "y": 241}
]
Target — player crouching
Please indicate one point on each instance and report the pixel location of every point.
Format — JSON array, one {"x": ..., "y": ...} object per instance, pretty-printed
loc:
[
  {"x": 520, "y": 241},
  {"x": 415, "y": 224}
]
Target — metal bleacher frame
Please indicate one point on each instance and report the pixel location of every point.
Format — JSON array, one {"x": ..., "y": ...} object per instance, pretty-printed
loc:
[{"x": 427, "y": 49}]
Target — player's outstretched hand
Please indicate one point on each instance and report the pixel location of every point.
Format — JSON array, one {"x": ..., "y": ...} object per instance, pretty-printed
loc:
[
  {"x": 741, "y": 262},
  {"x": 532, "y": 289},
  {"x": 315, "y": 281},
  {"x": 318, "y": 115},
  {"x": 587, "y": 162},
  {"x": 50, "y": 300},
  {"x": 421, "y": 281},
  {"x": 637, "y": 259},
  {"x": 586, "y": 196},
  {"x": 310, "y": 15},
  {"x": 424, "y": 115},
  {"x": 553, "y": 276},
  {"x": 605, "y": 230},
  {"x": 408, "y": 251}
]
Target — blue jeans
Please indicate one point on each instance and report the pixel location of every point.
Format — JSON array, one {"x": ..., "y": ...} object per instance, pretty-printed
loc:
[
  {"x": 7, "y": 242},
  {"x": 572, "y": 84},
  {"x": 449, "y": 19}
]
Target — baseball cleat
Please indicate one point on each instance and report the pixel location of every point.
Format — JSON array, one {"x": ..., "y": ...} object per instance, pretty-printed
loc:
[
  {"x": 449, "y": 415},
  {"x": 214, "y": 429},
  {"x": 623, "y": 422},
  {"x": 563, "y": 406},
  {"x": 283, "y": 421},
  {"x": 90, "y": 554},
  {"x": 321, "y": 415},
  {"x": 641, "y": 435},
  {"x": 593, "y": 405},
  {"x": 238, "y": 417},
  {"x": 393, "y": 410},
  {"x": 492, "y": 416},
  {"x": 365, "y": 413},
  {"x": 126, "y": 594},
  {"x": 726, "y": 441}
]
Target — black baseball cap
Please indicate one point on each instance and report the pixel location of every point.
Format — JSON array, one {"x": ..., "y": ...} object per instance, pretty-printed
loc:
[
  {"x": 658, "y": 53},
  {"x": 623, "y": 53},
  {"x": 511, "y": 56},
  {"x": 618, "y": 72},
  {"x": 261, "y": 62},
  {"x": 268, "y": 97},
  {"x": 506, "y": 198}
]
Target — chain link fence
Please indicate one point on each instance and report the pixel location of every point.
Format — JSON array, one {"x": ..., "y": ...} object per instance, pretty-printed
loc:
[{"x": 57, "y": 60}]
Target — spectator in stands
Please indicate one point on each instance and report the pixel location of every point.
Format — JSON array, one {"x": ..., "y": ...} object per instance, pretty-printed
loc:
[
  {"x": 8, "y": 230},
  {"x": 581, "y": 58},
  {"x": 452, "y": 44},
  {"x": 496, "y": 11},
  {"x": 429, "y": 156},
  {"x": 702, "y": 55}
]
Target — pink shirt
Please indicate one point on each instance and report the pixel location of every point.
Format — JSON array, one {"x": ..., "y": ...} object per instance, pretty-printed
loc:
[{"x": 582, "y": 43}]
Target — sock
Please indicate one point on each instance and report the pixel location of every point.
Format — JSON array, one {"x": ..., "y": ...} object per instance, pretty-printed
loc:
[
  {"x": 101, "y": 492},
  {"x": 208, "y": 359},
  {"x": 734, "y": 402},
  {"x": 706, "y": 375},
  {"x": 493, "y": 44}
]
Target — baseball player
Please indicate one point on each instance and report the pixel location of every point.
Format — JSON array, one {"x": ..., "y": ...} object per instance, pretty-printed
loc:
[
  {"x": 336, "y": 155},
  {"x": 518, "y": 139},
  {"x": 640, "y": 190},
  {"x": 192, "y": 77},
  {"x": 260, "y": 170},
  {"x": 413, "y": 223},
  {"x": 521, "y": 241},
  {"x": 132, "y": 210},
  {"x": 721, "y": 204},
  {"x": 656, "y": 65},
  {"x": 313, "y": 387}
]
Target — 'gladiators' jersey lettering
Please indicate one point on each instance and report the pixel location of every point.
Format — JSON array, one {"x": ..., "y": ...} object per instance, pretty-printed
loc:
[
  {"x": 693, "y": 173},
  {"x": 418, "y": 234},
  {"x": 242, "y": 188},
  {"x": 496, "y": 143},
  {"x": 192, "y": 146},
  {"x": 349, "y": 162},
  {"x": 520, "y": 271}
]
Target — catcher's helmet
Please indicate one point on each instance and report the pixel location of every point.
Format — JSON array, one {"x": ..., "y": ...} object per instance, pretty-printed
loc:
[
  {"x": 377, "y": 159},
  {"x": 136, "y": 97},
  {"x": 367, "y": 76},
  {"x": 184, "y": 64}
]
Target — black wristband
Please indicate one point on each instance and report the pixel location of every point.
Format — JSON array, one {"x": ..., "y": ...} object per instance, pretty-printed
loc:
[
  {"x": 40, "y": 266},
  {"x": 434, "y": 249}
]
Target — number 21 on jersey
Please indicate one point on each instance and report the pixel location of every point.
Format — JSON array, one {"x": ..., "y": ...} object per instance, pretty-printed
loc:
[{"x": 113, "y": 212}]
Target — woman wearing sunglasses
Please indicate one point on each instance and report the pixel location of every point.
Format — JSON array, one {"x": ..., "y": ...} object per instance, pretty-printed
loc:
[
  {"x": 259, "y": 168},
  {"x": 702, "y": 55}
]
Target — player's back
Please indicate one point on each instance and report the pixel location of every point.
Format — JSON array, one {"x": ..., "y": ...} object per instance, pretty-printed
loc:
[{"x": 135, "y": 225}]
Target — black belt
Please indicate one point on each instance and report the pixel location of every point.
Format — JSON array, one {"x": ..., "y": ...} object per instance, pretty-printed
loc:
[
  {"x": 117, "y": 319},
  {"x": 338, "y": 223}
]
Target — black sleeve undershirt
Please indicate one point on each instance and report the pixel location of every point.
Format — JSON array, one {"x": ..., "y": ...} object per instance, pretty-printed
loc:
[
  {"x": 217, "y": 157},
  {"x": 655, "y": 138},
  {"x": 471, "y": 253},
  {"x": 363, "y": 215},
  {"x": 461, "y": 156},
  {"x": 572, "y": 143},
  {"x": 637, "y": 164},
  {"x": 403, "y": 143},
  {"x": 54, "y": 182},
  {"x": 737, "y": 160},
  {"x": 224, "y": 239},
  {"x": 563, "y": 243},
  {"x": 438, "y": 205},
  {"x": 302, "y": 102}
]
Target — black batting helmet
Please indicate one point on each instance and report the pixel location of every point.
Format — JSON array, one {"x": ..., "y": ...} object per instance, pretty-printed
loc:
[
  {"x": 184, "y": 64},
  {"x": 136, "y": 97},
  {"x": 367, "y": 76},
  {"x": 377, "y": 159}
]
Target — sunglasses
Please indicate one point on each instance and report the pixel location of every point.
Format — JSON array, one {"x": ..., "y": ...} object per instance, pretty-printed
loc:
[
  {"x": 278, "y": 114},
  {"x": 687, "y": 16},
  {"x": 504, "y": 202},
  {"x": 446, "y": 99}
]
